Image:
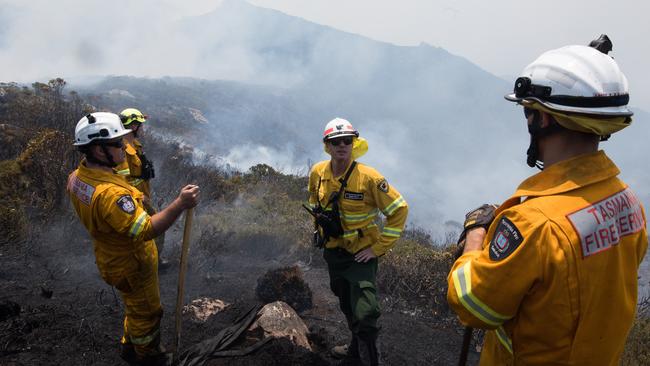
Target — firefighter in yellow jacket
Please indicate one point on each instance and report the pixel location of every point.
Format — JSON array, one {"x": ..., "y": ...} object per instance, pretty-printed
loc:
[
  {"x": 112, "y": 212},
  {"x": 554, "y": 277},
  {"x": 137, "y": 168},
  {"x": 349, "y": 196}
]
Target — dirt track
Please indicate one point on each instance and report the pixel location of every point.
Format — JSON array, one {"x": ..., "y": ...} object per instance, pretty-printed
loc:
[{"x": 81, "y": 323}]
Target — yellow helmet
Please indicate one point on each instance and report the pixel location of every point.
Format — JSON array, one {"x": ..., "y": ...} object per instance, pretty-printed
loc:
[{"x": 131, "y": 115}]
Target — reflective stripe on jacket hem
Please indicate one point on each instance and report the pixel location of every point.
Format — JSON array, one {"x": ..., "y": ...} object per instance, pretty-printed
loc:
[
  {"x": 463, "y": 285},
  {"x": 359, "y": 217}
]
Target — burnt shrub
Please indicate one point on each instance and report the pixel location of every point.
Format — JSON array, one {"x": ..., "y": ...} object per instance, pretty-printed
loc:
[
  {"x": 285, "y": 284},
  {"x": 415, "y": 277}
]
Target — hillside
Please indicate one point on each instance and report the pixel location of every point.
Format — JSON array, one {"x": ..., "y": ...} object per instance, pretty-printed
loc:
[{"x": 247, "y": 223}]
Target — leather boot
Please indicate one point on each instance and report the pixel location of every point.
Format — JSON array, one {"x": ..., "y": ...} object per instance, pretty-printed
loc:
[{"x": 127, "y": 353}]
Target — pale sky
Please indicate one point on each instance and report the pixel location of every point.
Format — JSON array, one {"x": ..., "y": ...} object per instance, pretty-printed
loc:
[{"x": 501, "y": 36}]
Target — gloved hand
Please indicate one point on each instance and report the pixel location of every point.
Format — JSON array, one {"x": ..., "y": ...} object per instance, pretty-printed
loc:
[{"x": 479, "y": 217}]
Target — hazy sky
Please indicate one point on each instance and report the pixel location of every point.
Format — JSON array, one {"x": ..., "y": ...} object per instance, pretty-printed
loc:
[{"x": 501, "y": 36}]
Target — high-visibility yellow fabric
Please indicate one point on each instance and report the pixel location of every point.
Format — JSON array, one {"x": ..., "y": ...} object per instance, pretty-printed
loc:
[
  {"x": 601, "y": 126},
  {"x": 366, "y": 195},
  {"x": 132, "y": 167},
  {"x": 112, "y": 212},
  {"x": 565, "y": 292}
]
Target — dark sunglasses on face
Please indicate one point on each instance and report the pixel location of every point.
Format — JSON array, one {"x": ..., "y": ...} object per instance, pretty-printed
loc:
[{"x": 337, "y": 141}]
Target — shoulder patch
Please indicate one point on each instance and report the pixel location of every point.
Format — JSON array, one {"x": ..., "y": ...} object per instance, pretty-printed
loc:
[
  {"x": 355, "y": 196},
  {"x": 383, "y": 186},
  {"x": 126, "y": 204},
  {"x": 505, "y": 240}
]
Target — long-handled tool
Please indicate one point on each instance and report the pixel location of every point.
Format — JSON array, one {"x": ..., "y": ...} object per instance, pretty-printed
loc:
[
  {"x": 467, "y": 338},
  {"x": 181, "y": 280}
]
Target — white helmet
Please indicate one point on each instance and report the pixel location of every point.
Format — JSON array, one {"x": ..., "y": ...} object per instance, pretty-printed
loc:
[
  {"x": 98, "y": 126},
  {"x": 575, "y": 79},
  {"x": 339, "y": 127}
]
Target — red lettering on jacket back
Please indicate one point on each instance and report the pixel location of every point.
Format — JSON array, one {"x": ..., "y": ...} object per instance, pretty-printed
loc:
[{"x": 601, "y": 225}]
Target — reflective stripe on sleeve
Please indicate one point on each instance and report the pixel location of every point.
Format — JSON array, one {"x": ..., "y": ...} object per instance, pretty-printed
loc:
[
  {"x": 503, "y": 338},
  {"x": 123, "y": 172},
  {"x": 138, "y": 224},
  {"x": 359, "y": 217},
  {"x": 390, "y": 209},
  {"x": 463, "y": 285},
  {"x": 394, "y": 232}
]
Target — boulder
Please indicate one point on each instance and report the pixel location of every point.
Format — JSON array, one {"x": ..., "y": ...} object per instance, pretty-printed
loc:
[
  {"x": 201, "y": 309},
  {"x": 279, "y": 320}
]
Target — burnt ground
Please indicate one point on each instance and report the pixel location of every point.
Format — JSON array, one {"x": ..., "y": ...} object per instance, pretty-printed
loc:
[{"x": 69, "y": 316}]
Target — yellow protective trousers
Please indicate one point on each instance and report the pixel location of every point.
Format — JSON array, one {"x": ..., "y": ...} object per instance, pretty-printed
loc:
[{"x": 143, "y": 311}]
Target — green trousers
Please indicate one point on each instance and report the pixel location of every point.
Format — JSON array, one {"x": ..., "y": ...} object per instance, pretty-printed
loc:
[{"x": 354, "y": 284}]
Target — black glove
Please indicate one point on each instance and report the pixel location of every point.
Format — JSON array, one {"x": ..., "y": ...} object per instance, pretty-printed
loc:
[{"x": 479, "y": 217}]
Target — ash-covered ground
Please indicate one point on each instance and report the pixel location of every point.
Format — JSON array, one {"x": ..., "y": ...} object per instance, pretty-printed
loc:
[{"x": 68, "y": 316}]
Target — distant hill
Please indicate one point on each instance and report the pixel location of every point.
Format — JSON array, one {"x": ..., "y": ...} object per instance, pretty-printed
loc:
[{"x": 437, "y": 124}]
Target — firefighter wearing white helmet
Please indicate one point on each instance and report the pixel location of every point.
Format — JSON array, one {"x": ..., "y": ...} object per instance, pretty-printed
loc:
[
  {"x": 345, "y": 198},
  {"x": 137, "y": 168},
  {"x": 112, "y": 211},
  {"x": 554, "y": 276}
]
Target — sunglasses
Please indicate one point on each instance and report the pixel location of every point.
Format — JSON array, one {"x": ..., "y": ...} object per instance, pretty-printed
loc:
[{"x": 337, "y": 141}]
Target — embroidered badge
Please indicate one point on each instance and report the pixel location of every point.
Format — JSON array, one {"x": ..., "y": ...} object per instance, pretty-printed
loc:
[
  {"x": 353, "y": 196},
  {"x": 383, "y": 186},
  {"x": 505, "y": 240},
  {"x": 126, "y": 204}
]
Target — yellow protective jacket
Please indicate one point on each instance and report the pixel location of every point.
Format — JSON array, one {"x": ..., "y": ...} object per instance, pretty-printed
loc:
[
  {"x": 132, "y": 167},
  {"x": 112, "y": 212},
  {"x": 556, "y": 280},
  {"x": 367, "y": 193}
]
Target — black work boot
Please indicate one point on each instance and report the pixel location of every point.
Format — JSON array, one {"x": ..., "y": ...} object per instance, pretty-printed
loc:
[
  {"x": 160, "y": 359},
  {"x": 127, "y": 353},
  {"x": 369, "y": 351}
]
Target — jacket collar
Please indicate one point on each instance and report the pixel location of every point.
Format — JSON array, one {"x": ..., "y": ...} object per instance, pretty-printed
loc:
[
  {"x": 327, "y": 171},
  {"x": 568, "y": 175},
  {"x": 101, "y": 176}
]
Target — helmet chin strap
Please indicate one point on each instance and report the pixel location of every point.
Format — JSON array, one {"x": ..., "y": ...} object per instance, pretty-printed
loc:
[{"x": 536, "y": 132}]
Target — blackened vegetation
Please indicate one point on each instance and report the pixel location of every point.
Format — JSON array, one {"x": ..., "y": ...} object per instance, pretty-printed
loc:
[
  {"x": 285, "y": 284},
  {"x": 8, "y": 309}
]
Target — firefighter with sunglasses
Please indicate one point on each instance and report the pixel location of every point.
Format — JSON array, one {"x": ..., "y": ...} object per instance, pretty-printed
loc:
[
  {"x": 554, "y": 276},
  {"x": 346, "y": 198},
  {"x": 112, "y": 211},
  {"x": 137, "y": 169}
]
